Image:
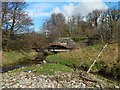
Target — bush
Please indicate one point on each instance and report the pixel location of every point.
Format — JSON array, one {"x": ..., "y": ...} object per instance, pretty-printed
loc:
[
  {"x": 109, "y": 70},
  {"x": 115, "y": 71},
  {"x": 78, "y": 39},
  {"x": 18, "y": 45},
  {"x": 99, "y": 66},
  {"x": 84, "y": 67}
]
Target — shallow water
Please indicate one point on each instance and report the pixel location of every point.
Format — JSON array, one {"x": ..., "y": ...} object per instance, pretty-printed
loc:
[
  {"x": 38, "y": 60},
  {"x": 9, "y": 68}
]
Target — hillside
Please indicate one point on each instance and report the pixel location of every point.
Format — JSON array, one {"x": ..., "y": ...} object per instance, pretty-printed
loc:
[{"x": 83, "y": 57}]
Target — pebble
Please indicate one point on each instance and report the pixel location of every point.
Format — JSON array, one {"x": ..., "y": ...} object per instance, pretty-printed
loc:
[
  {"x": 32, "y": 80},
  {"x": 97, "y": 86},
  {"x": 117, "y": 87},
  {"x": 82, "y": 85}
]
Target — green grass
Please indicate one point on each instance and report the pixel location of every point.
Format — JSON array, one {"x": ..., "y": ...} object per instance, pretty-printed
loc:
[
  {"x": 46, "y": 69},
  {"x": 14, "y": 57},
  {"x": 60, "y": 60}
]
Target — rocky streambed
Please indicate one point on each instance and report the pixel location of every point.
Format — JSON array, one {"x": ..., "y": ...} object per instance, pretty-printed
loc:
[{"x": 59, "y": 80}]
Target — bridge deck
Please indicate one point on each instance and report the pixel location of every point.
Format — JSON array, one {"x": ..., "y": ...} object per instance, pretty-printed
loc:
[{"x": 58, "y": 50}]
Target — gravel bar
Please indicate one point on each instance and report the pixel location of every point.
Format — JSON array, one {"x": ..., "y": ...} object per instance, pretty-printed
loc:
[{"x": 59, "y": 80}]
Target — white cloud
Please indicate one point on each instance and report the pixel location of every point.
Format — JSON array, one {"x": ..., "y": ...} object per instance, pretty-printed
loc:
[
  {"x": 83, "y": 8},
  {"x": 86, "y": 7},
  {"x": 68, "y": 10},
  {"x": 56, "y": 10}
]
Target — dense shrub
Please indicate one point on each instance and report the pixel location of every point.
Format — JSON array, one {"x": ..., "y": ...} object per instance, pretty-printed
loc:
[
  {"x": 18, "y": 45},
  {"x": 108, "y": 70},
  {"x": 78, "y": 39},
  {"x": 115, "y": 71},
  {"x": 99, "y": 66},
  {"x": 84, "y": 67}
]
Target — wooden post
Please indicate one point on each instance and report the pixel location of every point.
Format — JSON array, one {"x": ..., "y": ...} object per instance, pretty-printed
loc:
[{"x": 97, "y": 58}]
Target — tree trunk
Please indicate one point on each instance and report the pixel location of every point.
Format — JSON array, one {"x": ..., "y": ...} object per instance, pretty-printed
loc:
[
  {"x": 102, "y": 39},
  {"x": 13, "y": 23}
]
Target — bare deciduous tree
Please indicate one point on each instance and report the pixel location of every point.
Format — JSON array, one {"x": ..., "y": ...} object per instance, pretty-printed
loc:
[
  {"x": 14, "y": 20},
  {"x": 56, "y": 25}
]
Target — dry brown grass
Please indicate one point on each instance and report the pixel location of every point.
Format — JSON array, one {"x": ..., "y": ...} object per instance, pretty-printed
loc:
[
  {"x": 88, "y": 54},
  {"x": 14, "y": 57}
]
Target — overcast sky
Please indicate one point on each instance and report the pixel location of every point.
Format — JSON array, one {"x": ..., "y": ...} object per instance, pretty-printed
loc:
[{"x": 40, "y": 11}]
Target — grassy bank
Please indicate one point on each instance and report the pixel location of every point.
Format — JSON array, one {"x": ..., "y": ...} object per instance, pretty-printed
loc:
[
  {"x": 15, "y": 57},
  {"x": 84, "y": 57},
  {"x": 46, "y": 69}
]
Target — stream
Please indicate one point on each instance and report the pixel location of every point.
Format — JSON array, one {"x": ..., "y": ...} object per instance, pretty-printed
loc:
[{"x": 37, "y": 60}]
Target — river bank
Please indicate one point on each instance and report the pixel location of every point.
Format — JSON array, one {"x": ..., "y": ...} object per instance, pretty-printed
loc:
[
  {"x": 17, "y": 57},
  {"x": 59, "y": 80},
  {"x": 64, "y": 63}
]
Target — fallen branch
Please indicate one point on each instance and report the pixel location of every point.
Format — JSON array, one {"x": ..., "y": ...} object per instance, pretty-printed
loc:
[{"x": 87, "y": 79}]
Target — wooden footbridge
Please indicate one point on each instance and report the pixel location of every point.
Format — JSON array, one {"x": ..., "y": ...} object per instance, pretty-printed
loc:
[
  {"x": 57, "y": 48},
  {"x": 60, "y": 45}
]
